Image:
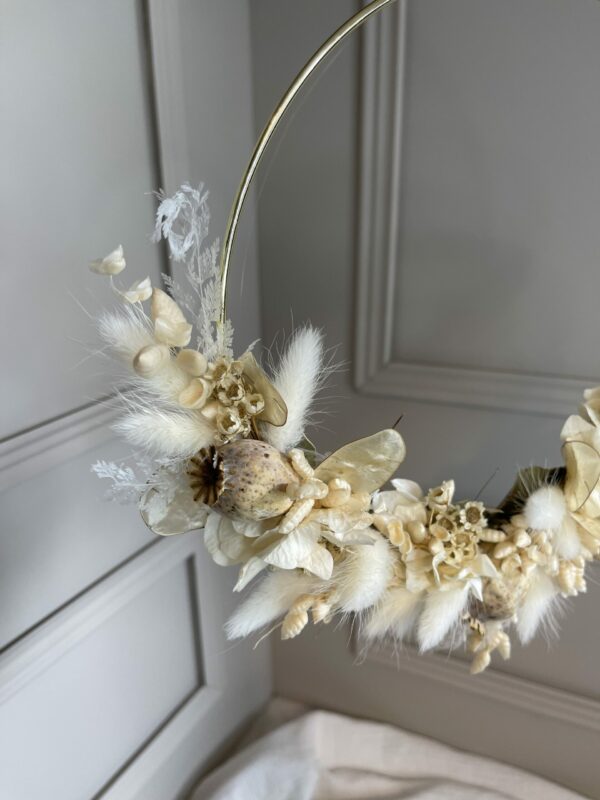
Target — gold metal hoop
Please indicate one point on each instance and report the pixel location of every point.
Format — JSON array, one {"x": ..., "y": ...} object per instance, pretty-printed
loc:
[{"x": 269, "y": 129}]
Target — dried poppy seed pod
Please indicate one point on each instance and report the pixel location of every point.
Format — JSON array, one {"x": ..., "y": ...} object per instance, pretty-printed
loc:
[{"x": 245, "y": 479}]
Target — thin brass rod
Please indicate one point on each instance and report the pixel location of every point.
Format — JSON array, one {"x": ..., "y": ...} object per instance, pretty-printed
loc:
[{"x": 269, "y": 129}]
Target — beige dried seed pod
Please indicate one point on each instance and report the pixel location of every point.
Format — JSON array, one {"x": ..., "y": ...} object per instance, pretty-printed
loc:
[
  {"x": 151, "y": 360},
  {"x": 504, "y": 549},
  {"x": 474, "y": 642},
  {"x": 312, "y": 489},
  {"x": 491, "y": 535},
  {"x": 534, "y": 553},
  {"x": 297, "y": 514},
  {"x": 321, "y": 610},
  {"x": 339, "y": 493},
  {"x": 566, "y": 578},
  {"x": 522, "y": 539},
  {"x": 296, "y": 619},
  {"x": 417, "y": 531},
  {"x": 300, "y": 463},
  {"x": 255, "y": 478},
  {"x": 480, "y": 662}
]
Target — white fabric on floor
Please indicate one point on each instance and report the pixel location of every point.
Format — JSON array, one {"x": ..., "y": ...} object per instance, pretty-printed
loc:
[{"x": 325, "y": 756}]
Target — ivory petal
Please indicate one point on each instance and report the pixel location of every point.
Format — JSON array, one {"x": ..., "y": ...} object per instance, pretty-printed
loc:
[
  {"x": 366, "y": 463},
  {"x": 192, "y": 362},
  {"x": 175, "y": 334},
  {"x": 111, "y": 264},
  {"x": 151, "y": 359},
  {"x": 165, "y": 307},
  {"x": 138, "y": 292},
  {"x": 195, "y": 394}
]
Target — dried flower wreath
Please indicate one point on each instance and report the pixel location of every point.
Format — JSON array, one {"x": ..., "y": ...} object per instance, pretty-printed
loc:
[{"x": 224, "y": 450}]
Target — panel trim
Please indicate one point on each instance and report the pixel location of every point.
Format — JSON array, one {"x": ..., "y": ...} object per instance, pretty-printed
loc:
[
  {"x": 54, "y": 442},
  {"x": 169, "y": 97},
  {"x": 535, "y": 698},
  {"x": 46, "y": 644},
  {"x": 376, "y": 372}
]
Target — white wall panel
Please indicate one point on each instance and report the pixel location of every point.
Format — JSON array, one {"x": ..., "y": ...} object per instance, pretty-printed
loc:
[
  {"x": 57, "y": 535},
  {"x": 78, "y": 163},
  {"x": 498, "y": 241},
  {"x": 102, "y": 623},
  {"x": 105, "y": 691}
]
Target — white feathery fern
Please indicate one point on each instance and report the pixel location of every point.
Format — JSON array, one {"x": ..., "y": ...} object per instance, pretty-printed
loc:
[
  {"x": 297, "y": 379},
  {"x": 125, "y": 485},
  {"x": 183, "y": 220}
]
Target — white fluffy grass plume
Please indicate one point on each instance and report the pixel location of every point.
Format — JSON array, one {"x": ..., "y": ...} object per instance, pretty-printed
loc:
[
  {"x": 270, "y": 600},
  {"x": 126, "y": 332},
  {"x": 539, "y": 607},
  {"x": 297, "y": 379},
  {"x": 441, "y": 613},
  {"x": 394, "y": 615},
  {"x": 362, "y": 576},
  {"x": 167, "y": 434},
  {"x": 546, "y": 510}
]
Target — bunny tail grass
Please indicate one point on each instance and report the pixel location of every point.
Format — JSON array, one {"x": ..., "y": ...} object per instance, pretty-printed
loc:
[
  {"x": 442, "y": 611},
  {"x": 394, "y": 615},
  {"x": 271, "y": 599},
  {"x": 363, "y": 575},
  {"x": 126, "y": 332},
  {"x": 297, "y": 380},
  {"x": 167, "y": 434},
  {"x": 539, "y": 607}
]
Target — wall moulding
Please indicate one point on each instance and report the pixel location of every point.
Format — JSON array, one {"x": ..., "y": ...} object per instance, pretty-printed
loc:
[{"x": 376, "y": 370}]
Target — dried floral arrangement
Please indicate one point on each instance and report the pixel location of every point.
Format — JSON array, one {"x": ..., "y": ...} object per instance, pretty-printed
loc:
[
  {"x": 224, "y": 450},
  {"x": 221, "y": 448}
]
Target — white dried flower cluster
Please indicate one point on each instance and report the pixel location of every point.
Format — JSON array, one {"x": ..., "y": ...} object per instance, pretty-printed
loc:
[{"x": 219, "y": 440}]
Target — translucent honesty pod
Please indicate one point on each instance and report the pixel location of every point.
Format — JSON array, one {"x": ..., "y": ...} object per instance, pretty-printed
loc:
[
  {"x": 275, "y": 410},
  {"x": 366, "y": 464}
]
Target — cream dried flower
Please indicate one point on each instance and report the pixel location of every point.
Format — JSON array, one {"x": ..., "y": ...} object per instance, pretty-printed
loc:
[
  {"x": 472, "y": 516},
  {"x": 440, "y": 497},
  {"x": 111, "y": 264},
  {"x": 253, "y": 404},
  {"x": 137, "y": 292},
  {"x": 230, "y": 390},
  {"x": 229, "y": 423}
]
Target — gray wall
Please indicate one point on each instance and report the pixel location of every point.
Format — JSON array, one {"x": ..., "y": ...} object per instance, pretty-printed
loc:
[
  {"x": 115, "y": 677},
  {"x": 461, "y": 292}
]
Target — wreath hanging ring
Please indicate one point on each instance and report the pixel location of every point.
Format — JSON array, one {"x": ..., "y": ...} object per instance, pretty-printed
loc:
[{"x": 227, "y": 454}]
